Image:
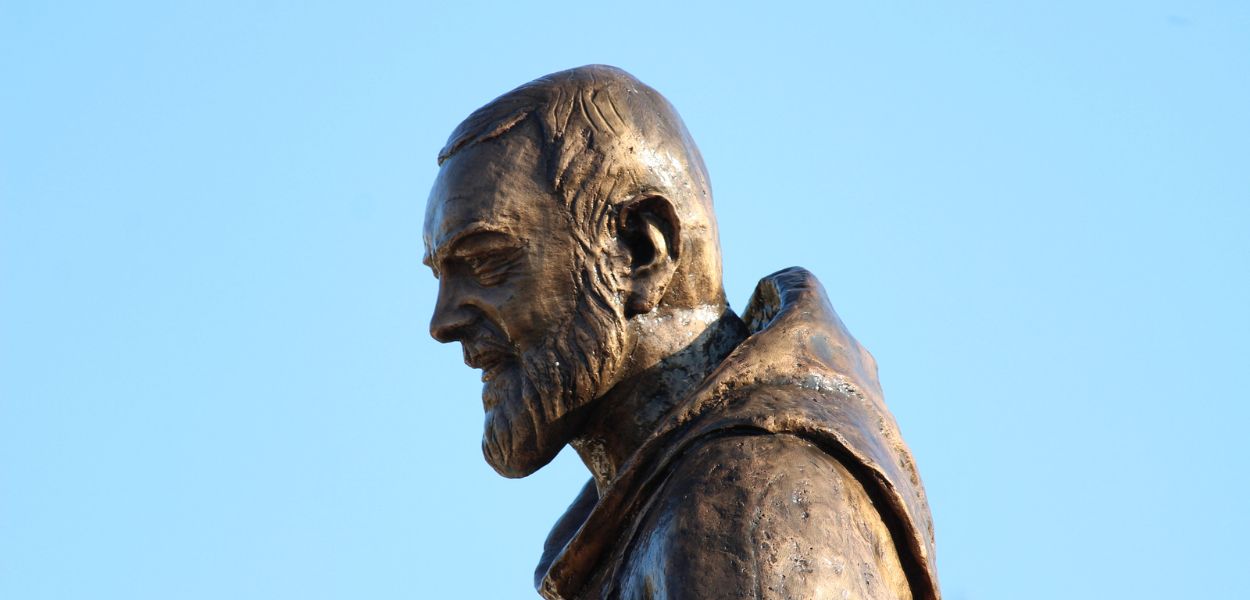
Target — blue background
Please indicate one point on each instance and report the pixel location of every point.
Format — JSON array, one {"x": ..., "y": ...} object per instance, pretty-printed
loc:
[{"x": 215, "y": 374}]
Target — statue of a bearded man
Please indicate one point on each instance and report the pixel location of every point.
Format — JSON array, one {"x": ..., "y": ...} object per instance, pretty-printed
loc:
[{"x": 732, "y": 456}]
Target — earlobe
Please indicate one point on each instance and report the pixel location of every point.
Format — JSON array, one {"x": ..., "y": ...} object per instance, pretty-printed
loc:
[{"x": 651, "y": 232}]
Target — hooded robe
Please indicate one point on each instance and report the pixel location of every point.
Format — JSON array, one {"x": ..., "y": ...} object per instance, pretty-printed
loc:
[{"x": 783, "y": 475}]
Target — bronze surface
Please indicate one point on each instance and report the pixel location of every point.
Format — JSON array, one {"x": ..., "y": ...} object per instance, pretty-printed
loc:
[{"x": 572, "y": 232}]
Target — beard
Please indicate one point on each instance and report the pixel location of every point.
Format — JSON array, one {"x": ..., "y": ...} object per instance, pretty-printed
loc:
[{"x": 532, "y": 403}]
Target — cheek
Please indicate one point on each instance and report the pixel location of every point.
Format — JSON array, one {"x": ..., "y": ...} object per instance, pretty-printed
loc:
[
  {"x": 548, "y": 315},
  {"x": 531, "y": 320},
  {"x": 540, "y": 300}
]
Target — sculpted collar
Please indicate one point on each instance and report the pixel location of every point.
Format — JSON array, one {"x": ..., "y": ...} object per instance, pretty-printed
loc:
[{"x": 800, "y": 372}]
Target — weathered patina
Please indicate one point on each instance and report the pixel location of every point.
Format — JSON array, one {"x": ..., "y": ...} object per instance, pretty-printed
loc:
[{"x": 572, "y": 232}]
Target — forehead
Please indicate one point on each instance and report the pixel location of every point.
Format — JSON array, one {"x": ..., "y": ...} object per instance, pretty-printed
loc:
[{"x": 493, "y": 185}]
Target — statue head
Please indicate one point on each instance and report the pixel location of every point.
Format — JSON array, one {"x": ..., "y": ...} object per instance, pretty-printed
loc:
[{"x": 564, "y": 211}]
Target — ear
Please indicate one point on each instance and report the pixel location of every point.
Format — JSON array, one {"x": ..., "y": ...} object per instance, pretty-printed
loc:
[{"x": 651, "y": 234}]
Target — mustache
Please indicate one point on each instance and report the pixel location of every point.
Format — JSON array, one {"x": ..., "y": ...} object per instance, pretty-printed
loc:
[{"x": 487, "y": 347}]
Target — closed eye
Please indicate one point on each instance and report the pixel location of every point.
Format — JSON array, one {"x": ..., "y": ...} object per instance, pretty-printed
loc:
[
  {"x": 491, "y": 267},
  {"x": 485, "y": 255}
]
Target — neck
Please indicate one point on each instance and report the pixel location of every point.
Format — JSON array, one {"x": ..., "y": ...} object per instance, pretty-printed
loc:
[{"x": 672, "y": 352}]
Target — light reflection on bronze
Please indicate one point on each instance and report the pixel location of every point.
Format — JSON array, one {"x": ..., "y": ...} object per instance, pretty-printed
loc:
[{"x": 572, "y": 232}]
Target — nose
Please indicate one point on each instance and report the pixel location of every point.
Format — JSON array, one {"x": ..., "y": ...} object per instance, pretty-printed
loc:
[{"x": 451, "y": 315}]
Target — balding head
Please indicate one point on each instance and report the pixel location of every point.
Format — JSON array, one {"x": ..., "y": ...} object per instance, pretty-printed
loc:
[
  {"x": 571, "y": 230},
  {"x": 607, "y": 141}
]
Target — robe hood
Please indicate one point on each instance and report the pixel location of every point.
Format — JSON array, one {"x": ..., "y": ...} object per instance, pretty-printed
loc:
[{"x": 800, "y": 373}]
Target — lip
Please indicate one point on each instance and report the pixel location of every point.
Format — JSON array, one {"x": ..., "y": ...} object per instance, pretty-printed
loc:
[
  {"x": 491, "y": 370},
  {"x": 491, "y": 373},
  {"x": 490, "y": 361}
]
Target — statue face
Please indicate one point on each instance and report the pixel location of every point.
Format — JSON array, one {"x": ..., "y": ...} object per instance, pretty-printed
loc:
[{"x": 510, "y": 280}]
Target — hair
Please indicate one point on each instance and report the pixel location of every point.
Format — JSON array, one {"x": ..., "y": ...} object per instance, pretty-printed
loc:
[{"x": 606, "y": 139}]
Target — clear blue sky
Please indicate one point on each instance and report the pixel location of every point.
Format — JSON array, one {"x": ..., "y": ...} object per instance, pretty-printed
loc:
[{"x": 216, "y": 379}]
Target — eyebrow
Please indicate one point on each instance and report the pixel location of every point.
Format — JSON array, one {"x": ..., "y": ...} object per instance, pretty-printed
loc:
[{"x": 469, "y": 231}]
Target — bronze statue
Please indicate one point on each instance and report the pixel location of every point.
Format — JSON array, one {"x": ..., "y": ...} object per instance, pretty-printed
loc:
[{"x": 572, "y": 233}]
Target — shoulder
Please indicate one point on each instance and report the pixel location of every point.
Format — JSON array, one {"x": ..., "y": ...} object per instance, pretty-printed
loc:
[{"x": 762, "y": 516}]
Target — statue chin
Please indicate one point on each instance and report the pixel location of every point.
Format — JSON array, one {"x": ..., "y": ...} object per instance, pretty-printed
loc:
[
  {"x": 518, "y": 439},
  {"x": 515, "y": 465},
  {"x": 514, "y": 451}
]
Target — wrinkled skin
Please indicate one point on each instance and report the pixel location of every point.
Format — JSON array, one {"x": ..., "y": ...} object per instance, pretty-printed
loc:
[
  {"x": 510, "y": 300},
  {"x": 572, "y": 232}
]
